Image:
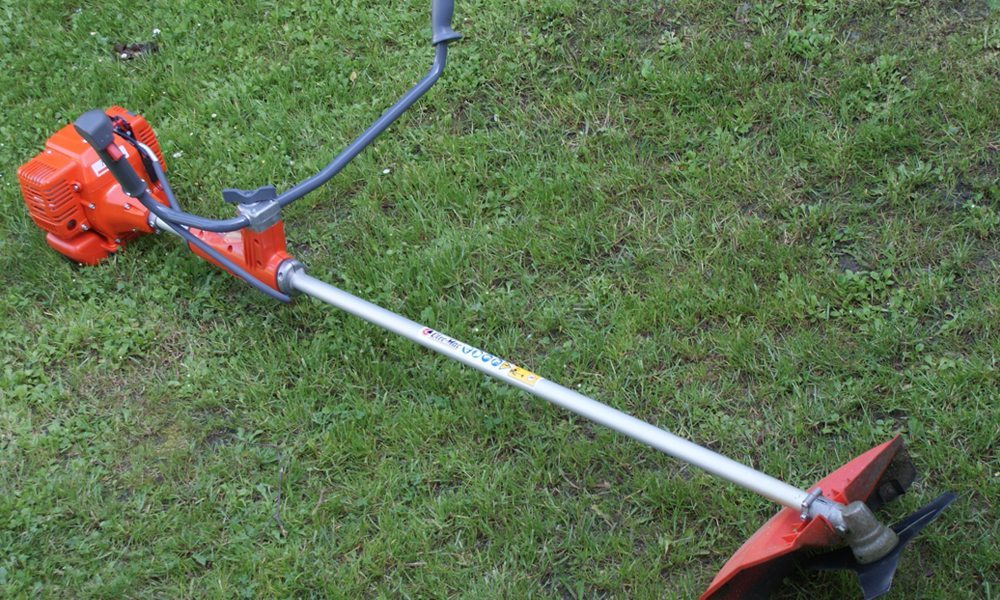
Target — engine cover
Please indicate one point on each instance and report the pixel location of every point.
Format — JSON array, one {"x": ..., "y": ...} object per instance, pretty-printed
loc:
[{"x": 72, "y": 196}]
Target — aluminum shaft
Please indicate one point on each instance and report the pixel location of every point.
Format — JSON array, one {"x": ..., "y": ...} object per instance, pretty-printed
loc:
[{"x": 508, "y": 372}]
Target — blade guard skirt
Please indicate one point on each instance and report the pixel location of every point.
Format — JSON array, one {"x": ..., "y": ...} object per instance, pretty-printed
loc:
[{"x": 877, "y": 476}]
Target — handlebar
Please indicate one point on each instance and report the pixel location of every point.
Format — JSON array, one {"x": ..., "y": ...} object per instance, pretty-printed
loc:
[
  {"x": 441, "y": 13},
  {"x": 441, "y": 35},
  {"x": 97, "y": 128}
]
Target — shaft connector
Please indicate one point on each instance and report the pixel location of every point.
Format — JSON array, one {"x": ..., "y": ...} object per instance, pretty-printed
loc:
[{"x": 869, "y": 539}]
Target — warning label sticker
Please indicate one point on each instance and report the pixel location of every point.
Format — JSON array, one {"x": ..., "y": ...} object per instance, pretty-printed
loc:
[{"x": 489, "y": 361}]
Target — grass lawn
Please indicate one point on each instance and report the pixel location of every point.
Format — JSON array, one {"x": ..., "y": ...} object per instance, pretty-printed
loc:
[{"x": 771, "y": 227}]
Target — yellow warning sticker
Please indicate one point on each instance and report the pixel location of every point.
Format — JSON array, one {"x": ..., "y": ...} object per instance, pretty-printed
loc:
[{"x": 524, "y": 375}]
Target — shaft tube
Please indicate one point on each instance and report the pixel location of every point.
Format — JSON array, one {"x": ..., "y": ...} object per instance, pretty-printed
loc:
[{"x": 510, "y": 373}]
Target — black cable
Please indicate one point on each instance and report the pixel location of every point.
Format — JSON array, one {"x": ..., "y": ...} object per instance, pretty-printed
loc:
[
  {"x": 159, "y": 210},
  {"x": 154, "y": 169},
  {"x": 165, "y": 184},
  {"x": 158, "y": 168},
  {"x": 215, "y": 225},
  {"x": 173, "y": 214}
]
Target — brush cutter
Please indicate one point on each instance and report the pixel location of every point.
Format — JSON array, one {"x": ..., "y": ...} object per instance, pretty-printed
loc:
[{"x": 101, "y": 182}]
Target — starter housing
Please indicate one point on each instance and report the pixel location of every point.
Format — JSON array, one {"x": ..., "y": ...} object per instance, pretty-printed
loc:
[
  {"x": 73, "y": 197},
  {"x": 86, "y": 215}
]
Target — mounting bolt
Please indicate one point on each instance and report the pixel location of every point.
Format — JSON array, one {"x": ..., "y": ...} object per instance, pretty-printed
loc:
[
  {"x": 85, "y": 227},
  {"x": 808, "y": 502},
  {"x": 76, "y": 187},
  {"x": 128, "y": 206},
  {"x": 118, "y": 240},
  {"x": 91, "y": 206}
]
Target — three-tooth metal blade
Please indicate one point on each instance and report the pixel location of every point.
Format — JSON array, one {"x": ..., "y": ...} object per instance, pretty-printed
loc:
[{"x": 876, "y": 578}]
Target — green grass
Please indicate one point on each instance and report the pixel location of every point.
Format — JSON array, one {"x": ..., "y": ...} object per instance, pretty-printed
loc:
[{"x": 771, "y": 228}]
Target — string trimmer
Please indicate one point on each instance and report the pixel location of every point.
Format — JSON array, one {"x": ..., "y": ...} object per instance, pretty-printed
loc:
[{"x": 101, "y": 182}]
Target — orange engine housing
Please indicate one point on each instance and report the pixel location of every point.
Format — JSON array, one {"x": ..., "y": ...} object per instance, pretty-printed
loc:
[
  {"x": 73, "y": 197},
  {"x": 86, "y": 216}
]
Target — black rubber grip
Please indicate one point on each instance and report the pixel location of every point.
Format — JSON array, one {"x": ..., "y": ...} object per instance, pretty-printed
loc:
[{"x": 95, "y": 127}]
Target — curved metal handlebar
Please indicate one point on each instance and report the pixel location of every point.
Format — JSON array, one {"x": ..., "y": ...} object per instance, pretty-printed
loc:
[
  {"x": 373, "y": 131},
  {"x": 96, "y": 127},
  {"x": 441, "y": 13},
  {"x": 442, "y": 34}
]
